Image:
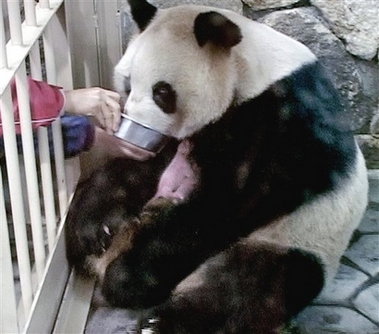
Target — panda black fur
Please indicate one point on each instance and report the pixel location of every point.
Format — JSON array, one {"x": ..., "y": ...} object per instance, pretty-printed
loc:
[{"x": 275, "y": 183}]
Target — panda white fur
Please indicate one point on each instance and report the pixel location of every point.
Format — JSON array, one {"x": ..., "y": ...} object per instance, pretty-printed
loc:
[{"x": 250, "y": 210}]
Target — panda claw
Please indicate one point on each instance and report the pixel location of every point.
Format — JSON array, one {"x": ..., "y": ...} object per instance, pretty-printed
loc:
[
  {"x": 106, "y": 230},
  {"x": 150, "y": 327},
  {"x": 104, "y": 238}
]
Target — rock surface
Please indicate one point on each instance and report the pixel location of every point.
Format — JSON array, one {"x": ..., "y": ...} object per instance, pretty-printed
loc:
[
  {"x": 355, "y": 22},
  {"x": 350, "y": 303},
  {"x": 365, "y": 254},
  {"x": 370, "y": 148},
  {"x": 339, "y": 320},
  {"x": 305, "y": 25},
  {"x": 268, "y": 4},
  {"x": 235, "y": 5}
]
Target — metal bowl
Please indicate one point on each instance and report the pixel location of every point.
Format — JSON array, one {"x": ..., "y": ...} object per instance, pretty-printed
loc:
[{"x": 141, "y": 135}]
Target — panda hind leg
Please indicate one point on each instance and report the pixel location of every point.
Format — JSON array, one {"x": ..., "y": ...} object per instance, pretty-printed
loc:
[{"x": 247, "y": 289}]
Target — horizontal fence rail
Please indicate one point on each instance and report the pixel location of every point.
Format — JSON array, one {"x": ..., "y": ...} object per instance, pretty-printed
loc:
[{"x": 36, "y": 182}]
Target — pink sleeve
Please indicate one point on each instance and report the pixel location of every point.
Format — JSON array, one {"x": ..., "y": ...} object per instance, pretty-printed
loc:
[{"x": 46, "y": 103}]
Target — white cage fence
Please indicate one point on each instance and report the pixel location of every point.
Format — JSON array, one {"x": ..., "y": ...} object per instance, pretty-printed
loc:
[{"x": 35, "y": 185}]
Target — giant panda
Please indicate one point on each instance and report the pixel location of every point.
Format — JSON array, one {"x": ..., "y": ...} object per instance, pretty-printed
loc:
[{"x": 241, "y": 221}]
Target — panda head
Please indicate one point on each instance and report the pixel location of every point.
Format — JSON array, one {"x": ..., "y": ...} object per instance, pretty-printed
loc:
[{"x": 178, "y": 73}]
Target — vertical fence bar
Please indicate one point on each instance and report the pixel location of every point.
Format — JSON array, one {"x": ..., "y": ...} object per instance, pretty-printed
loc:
[
  {"x": 51, "y": 74},
  {"x": 45, "y": 4},
  {"x": 35, "y": 62},
  {"x": 39, "y": 21},
  {"x": 3, "y": 50},
  {"x": 47, "y": 186},
  {"x": 15, "y": 190},
  {"x": 62, "y": 52},
  {"x": 44, "y": 158},
  {"x": 15, "y": 22},
  {"x": 8, "y": 309},
  {"x": 48, "y": 47},
  {"x": 30, "y": 12},
  {"x": 97, "y": 39},
  {"x": 30, "y": 170},
  {"x": 60, "y": 166}
]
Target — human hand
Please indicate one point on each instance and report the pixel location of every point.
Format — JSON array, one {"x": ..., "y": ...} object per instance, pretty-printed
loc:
[
  {"x": 103, "y": 104},
  {"x": 116, "y": 147}
]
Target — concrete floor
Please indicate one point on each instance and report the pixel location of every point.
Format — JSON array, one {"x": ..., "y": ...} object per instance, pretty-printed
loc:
[{"x": 350, "y": 305}]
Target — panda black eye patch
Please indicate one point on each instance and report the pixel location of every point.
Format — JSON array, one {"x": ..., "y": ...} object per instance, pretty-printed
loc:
[{"x": 165, "y": 97}]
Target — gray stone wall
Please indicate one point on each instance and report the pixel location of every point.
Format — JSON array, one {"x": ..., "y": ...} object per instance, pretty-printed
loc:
[
  {"x": 348, "y": 74},
  {"x": 344, "y": 34},
  {"x": 235, "y": 5}
]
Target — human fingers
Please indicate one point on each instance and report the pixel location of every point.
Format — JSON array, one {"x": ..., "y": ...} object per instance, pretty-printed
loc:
[
  {"x": 107, "y": 115},
  {"x": 113, "y": 95},
  {"x": 110, "y": 109},
  {"x": 115, "y": 109}
]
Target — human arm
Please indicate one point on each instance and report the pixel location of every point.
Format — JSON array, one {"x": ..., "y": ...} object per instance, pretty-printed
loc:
[
  {"x": 105, "y": 107},
  {"x": 100, "y": 103}
]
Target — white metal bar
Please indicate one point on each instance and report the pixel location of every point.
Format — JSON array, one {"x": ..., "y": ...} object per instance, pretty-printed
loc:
[
  {"x": 8, "y": 309},
  {"x": 47, "y": 186},
  {"x": 48, "y": 46},
  {"x": 15, "y": 22},
  {"x": 44, "y": 158},
  {"x": 97, "y": 39},
  {"x": 15, "y": 190},
  {"x": 62, "y": 54},
  {"x": 30, "y": 170},
  {"x": 35, "y": 62},
  {"x": 75, "y": 306},
  {"x": 47, "y": 301},
  {"x": 48, "y": 43},
  {"x": 39, "y": 313},
  {"x": 30, "y": 12},
  {"x": 17, "y": 54},
  {"x": 72, "y": 168},
  {"x": 45, "y": 4},
  {"x": 59, "y": 166},
  {"x": 3, "y": 51}
]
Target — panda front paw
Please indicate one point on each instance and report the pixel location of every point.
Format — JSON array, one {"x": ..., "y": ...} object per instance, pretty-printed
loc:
[
  {"x": 90, "y": 237},
  {"x": 94, "y": 239},
  {"x": 156, "y": 209},
  {"x": 128, "y": 283},
  {"x": 82, "y": 241}
]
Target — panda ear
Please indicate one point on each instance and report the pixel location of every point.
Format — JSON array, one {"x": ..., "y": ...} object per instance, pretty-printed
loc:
[
  {"x": 142, "y": 12},
  {"x": 216, "y": 28}
]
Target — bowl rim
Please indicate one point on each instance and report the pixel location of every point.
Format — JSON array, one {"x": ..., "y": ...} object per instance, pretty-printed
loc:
[{"x": 143, "y": 125}]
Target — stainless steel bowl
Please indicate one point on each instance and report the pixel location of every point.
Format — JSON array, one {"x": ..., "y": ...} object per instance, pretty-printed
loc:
[{"x": 141, "y": 135}]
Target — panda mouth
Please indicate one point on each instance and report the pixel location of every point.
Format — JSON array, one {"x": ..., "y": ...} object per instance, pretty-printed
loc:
[{"x": 180, "y": 177}]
